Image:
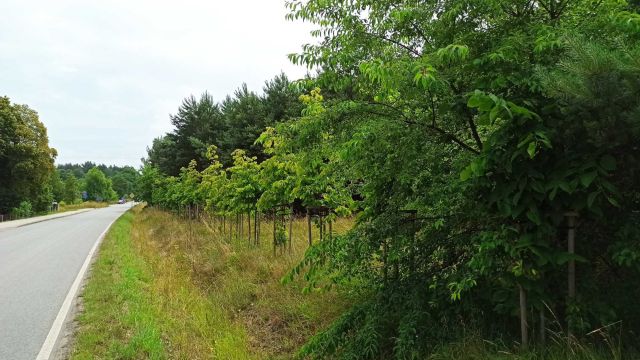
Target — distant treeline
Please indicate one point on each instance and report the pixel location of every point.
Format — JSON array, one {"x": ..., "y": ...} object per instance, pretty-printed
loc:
[
  {"x": 122, "y": 178},
  {"x": 29, "y": 180}
]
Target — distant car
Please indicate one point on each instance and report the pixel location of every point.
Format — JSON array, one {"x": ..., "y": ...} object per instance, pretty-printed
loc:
[{"x": 121, "y": 201}]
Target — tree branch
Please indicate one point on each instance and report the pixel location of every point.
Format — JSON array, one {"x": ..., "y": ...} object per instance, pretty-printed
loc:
[
  {"x": 474, "y": 129},
  {"x": 432, "y": 127},
  {"x": 382, "y": 37},
  {"x": 454, "y": 139},
  {"x": 422, "y": 34}
]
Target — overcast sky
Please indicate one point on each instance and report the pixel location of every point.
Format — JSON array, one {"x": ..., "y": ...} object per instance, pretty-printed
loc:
[{"x": 105, "y": 75}]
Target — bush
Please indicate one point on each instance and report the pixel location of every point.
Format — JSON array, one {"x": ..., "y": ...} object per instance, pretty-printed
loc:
[{"x": 23, "y": 210}]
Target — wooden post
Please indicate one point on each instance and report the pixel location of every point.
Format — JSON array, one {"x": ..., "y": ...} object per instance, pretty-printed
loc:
[
  {"x": 290, "y": 228},
  {"x": 249, "y": 226},
  {"x": 237, "y": 226},
  {"x": 524, "y": 331},
  {"x": 309, "y": 227},
  {"x": 571, "y": 266},
  {"x": 274, "y": 233},
  {"x": 255, "y": 227}
]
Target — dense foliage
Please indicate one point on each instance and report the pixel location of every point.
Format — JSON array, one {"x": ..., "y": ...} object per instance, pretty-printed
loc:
[
  {"x": 26, "y": 160},
  {"x": 473, "y": 139}
]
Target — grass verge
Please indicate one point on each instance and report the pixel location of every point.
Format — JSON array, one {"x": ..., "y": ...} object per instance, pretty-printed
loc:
[
  {"x": 82, "y": 205},
  {"x": 164, "y": 287},
  {"x": 116, "y": 321}
]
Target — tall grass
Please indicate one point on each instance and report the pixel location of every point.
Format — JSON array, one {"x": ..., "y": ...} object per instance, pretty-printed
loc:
[
  {"x": 82, "y": 205},
  {"x": 205, "y": 294},
  {"x": 599, "y": 344}
]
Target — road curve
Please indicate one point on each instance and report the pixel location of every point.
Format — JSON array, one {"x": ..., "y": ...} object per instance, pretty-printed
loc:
[{"x": 38, "y": 264}]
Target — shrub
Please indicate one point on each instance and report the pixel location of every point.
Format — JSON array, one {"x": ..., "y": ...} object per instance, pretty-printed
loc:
[{"x": 23, "y": 210}]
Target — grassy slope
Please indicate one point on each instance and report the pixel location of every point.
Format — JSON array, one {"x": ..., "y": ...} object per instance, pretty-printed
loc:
[{"x": 168, "y": 288}]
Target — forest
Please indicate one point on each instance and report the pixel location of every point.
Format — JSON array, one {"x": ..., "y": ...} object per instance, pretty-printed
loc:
[{"x": 488, "y": 151}]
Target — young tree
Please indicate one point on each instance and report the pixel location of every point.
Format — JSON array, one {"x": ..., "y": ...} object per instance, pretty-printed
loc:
[
  {"x": 124, "y": 180},
  {"x": 98, "y": 186},
  {"x": 71, "y": 191},
  {"x": 146, "y": 183}
]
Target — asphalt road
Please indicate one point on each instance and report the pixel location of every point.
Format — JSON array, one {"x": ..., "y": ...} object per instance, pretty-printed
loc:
[{"x": 38, "y": 264}]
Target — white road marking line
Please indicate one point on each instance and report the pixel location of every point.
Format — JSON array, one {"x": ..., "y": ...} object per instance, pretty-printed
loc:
[{"x": 54, "y": 332}]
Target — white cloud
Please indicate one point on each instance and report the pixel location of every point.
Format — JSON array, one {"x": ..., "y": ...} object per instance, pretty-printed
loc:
[{"x": 104, "y": 76}]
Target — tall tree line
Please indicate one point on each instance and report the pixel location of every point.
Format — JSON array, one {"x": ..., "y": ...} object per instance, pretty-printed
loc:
[{"x": 233, "y": 123}]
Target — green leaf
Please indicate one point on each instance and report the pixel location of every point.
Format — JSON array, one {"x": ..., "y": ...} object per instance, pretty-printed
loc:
[
  {"x": 566, "y": 187},
  {"x": 466, "y": 174},
  {"x": 608, "y": 163},
  {"x": 480, "y": 101},
  {"x": 534, "y": 216},
  {"x": 591, "y": 198},
  {"x": 531, "y": 149},
  {"x": 564, "y": 257},
  {"x": 493, "y": 115},
  {"x": 587, "y": 178}
]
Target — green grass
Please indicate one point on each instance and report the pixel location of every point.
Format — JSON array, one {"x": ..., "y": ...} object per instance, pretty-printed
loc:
[
  {"x": 117, "y": 321},
  {"x": 165, "y": 287}
]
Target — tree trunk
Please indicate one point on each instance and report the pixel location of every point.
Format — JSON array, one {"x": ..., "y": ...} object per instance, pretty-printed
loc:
[
  {"x": 385, "y": 272},
  {"x": 524, "y": 331},
  {"x": 249, "y": 227},
  {"x": 543, "y": 330},
  {"x": 290, "y": 229},
  {"x": 255, "y": 227},
  {"x": 274, "y": 233},
  {"x": 571, "y": 266},
  {"x": 309, "y": 227}
]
